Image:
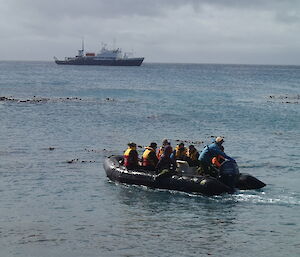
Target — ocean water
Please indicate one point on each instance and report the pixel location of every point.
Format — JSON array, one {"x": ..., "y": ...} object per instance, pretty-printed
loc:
[{"x": 58, "y": 123}]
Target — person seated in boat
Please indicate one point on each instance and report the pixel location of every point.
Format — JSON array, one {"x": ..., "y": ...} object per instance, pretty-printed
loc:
[
  {"x": 166, "y": 165},
  {"x": 160, "y": 151},
  {"x": 218, "y": 160},
  {"x": 180, "y": 152},
  {"x": 149, "y": 158},
  {"x": 208, "y": 153},
  {"x": 131, "y": 157},
  {"x": 192, "y": 156}
]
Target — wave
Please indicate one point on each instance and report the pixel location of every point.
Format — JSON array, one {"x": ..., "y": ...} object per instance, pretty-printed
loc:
[
  {"x": 264, "y": 198},
  {"x": 278, "y": 197}
]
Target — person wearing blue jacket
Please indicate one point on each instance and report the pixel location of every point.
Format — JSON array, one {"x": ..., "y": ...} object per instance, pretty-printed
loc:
[{"x": 209, "y": 152}]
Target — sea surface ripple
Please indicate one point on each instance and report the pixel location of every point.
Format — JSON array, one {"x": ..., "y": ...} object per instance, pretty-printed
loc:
[{"x": 58, "y": 123}]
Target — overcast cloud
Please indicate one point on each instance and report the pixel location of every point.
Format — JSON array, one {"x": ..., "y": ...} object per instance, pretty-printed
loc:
[{"x": 203, "y": 31}]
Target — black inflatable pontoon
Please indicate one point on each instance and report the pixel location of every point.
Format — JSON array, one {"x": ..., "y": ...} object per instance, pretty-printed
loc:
[{"x": 205, "y": 185}]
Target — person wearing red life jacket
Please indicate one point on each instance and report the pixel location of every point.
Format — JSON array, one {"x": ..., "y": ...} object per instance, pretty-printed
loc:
[{"x": 131, "y": 157}]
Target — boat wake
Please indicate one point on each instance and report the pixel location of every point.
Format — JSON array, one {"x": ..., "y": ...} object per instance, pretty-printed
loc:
[{"x": 259, "y": 196}]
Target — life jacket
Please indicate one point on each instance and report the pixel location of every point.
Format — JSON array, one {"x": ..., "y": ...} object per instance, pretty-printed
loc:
[
  {"x": 217, "y": 161},
  {"x": 160, "y": 152},
  {"x": 192, "y": 155},
  {"x": 179, "y": 153},
  {"x": 146, "y": 160},
  {"x": 127, "y": 161}
]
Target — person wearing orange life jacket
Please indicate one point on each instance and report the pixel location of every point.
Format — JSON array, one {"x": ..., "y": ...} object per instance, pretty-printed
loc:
[
  {"x": 166, "y": 165},
  {"x": 180, "y": 152},
  {"x": 149, "y": 159},
  {"x": 131, "y": 157},
  {"x": 219, "y": 159},
  {"x": 208, "y": 153},
  {"x": 160, "y": 151},
  {"x": 193, "y": 156}
]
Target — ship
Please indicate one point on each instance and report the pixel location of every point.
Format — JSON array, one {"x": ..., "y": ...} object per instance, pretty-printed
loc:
[{"x": 106, "y": 57}]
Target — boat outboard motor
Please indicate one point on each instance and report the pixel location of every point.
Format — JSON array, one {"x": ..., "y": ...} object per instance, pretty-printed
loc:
[{"x": 229, "y": 173}]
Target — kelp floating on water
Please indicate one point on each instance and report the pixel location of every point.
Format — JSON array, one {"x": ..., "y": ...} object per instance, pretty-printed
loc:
[
  {"x": 38, "y": 99},
  {"x": 285, "y": 99}
]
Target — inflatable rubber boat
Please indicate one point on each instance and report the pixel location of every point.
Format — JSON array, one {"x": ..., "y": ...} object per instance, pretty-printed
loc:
[{"x": 183, "y": 180}]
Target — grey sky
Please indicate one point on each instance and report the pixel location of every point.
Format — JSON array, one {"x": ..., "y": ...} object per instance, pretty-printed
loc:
[{"x": 203, "y": 31}]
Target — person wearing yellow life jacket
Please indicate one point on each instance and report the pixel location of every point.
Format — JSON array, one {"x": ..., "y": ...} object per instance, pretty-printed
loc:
[
  {"x": 160, "y": 151},
  {"x": 149, "y": 158},
  {"x": 219, "y": 159},
  {"x": 193, "y": 156},
  {"x": 180, "y": 152},
  {"x": 131, "y": 157}
]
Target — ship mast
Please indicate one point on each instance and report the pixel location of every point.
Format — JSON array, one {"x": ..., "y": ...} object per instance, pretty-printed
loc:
[
  {"x": 81, "y": 51},
  {"x": 82, "y": 45}
]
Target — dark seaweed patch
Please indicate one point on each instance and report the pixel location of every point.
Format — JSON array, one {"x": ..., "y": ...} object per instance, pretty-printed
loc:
[{"x": 285, "y": 99}]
